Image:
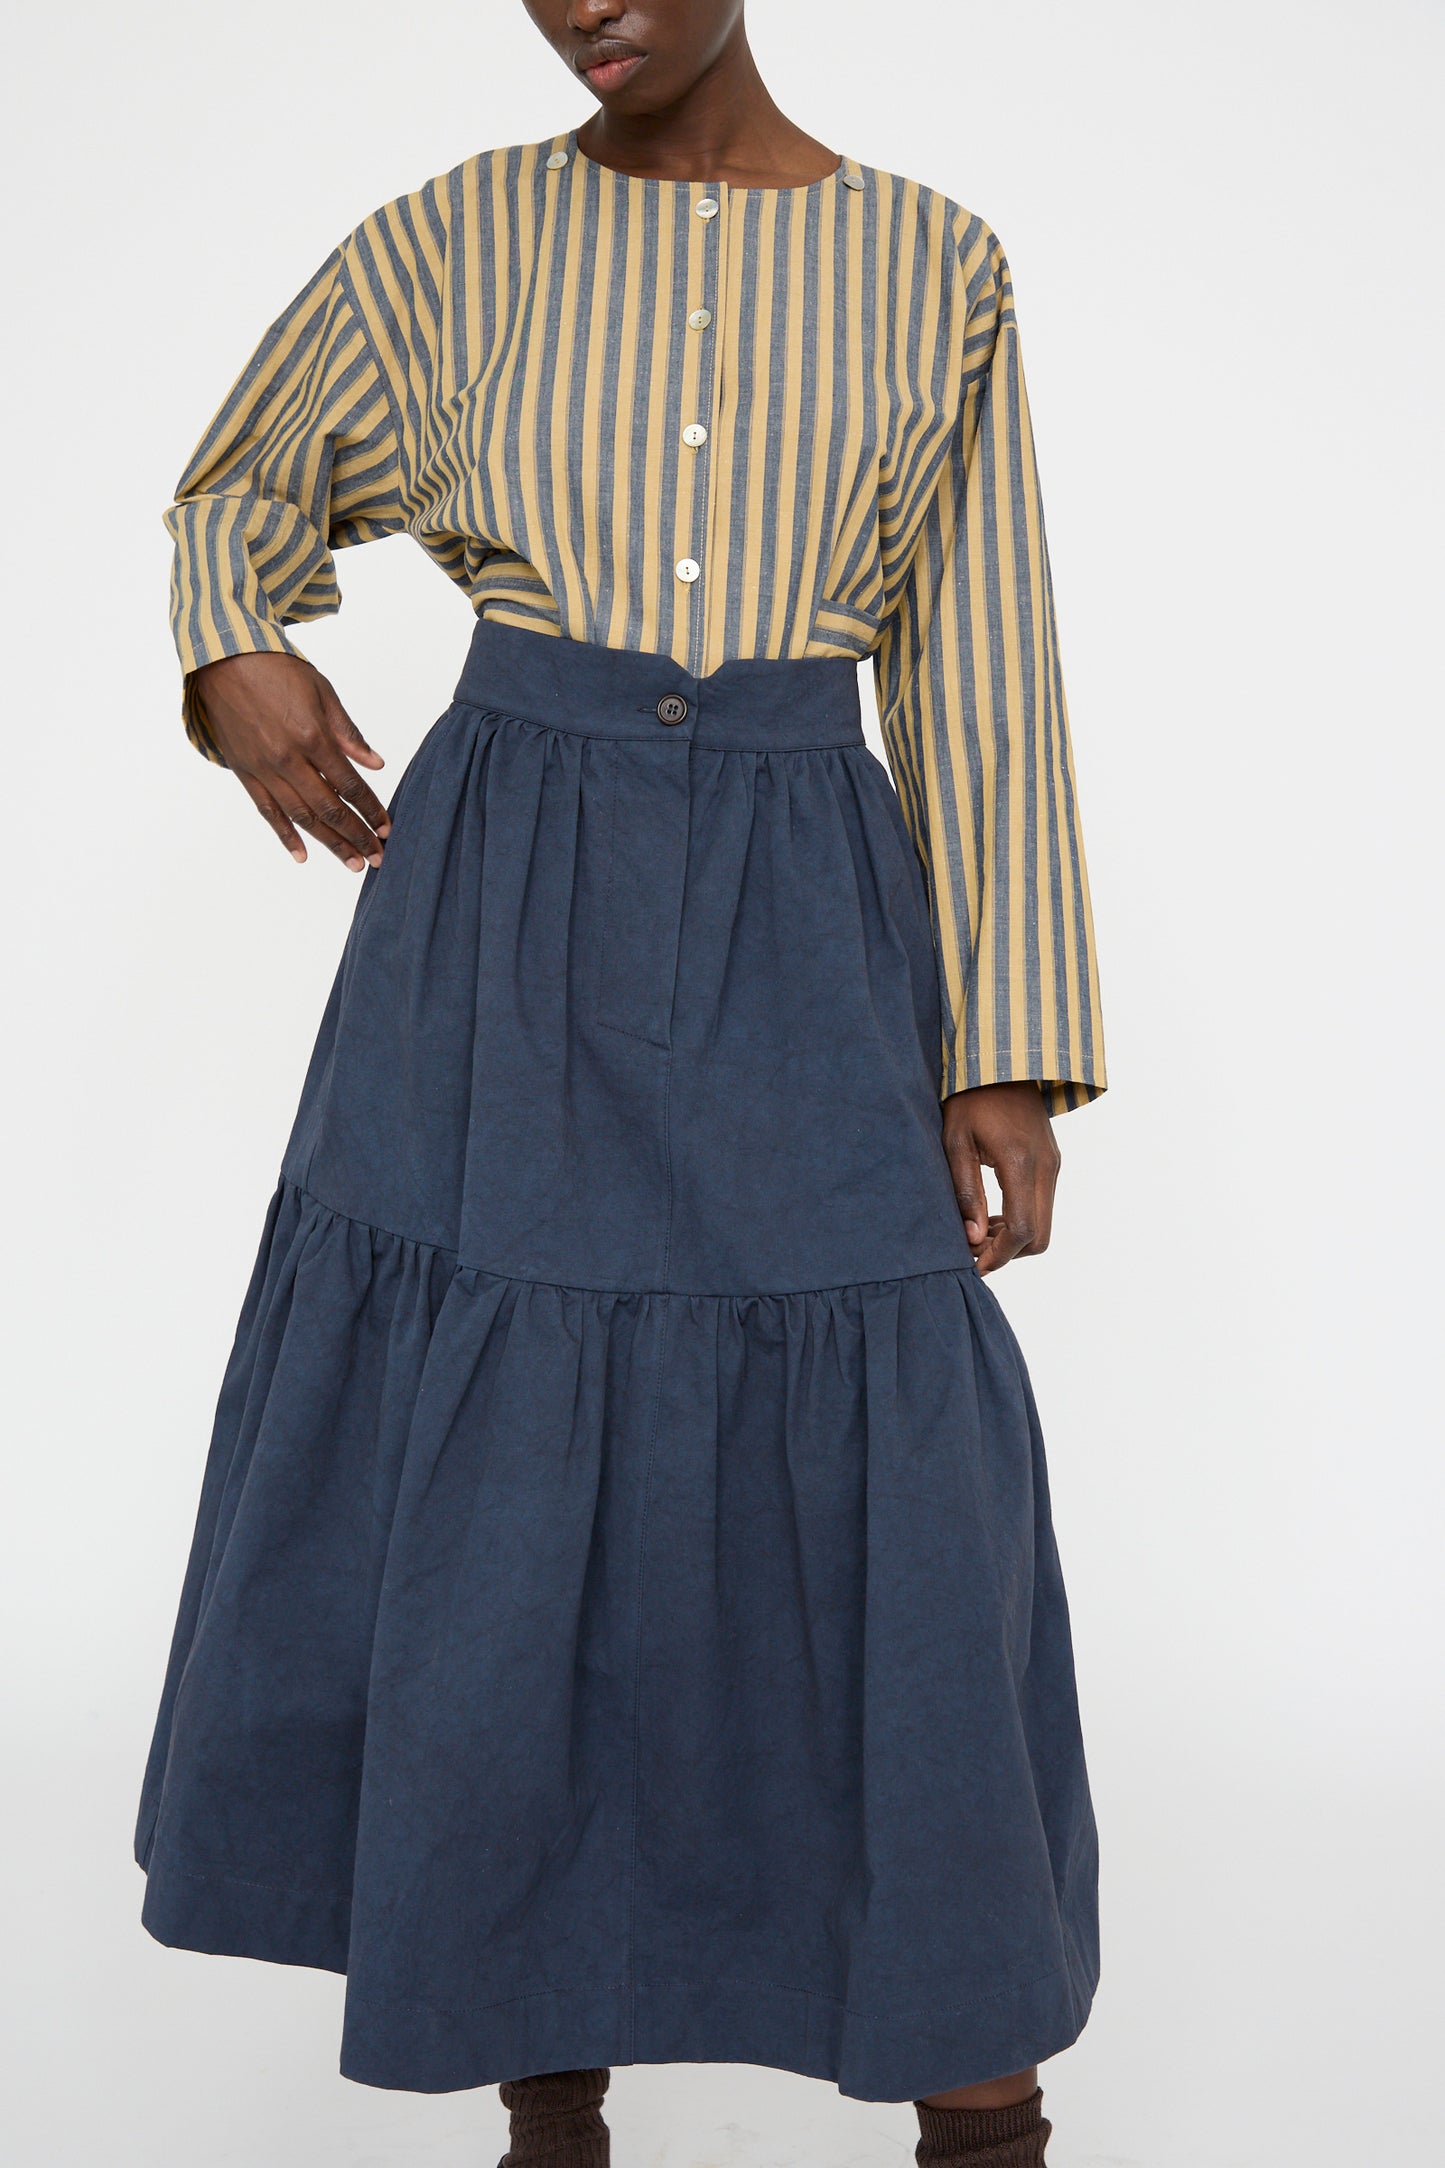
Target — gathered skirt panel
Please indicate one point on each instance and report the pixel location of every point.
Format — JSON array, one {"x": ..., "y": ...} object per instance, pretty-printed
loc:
[
  {"x": 623, "y": 1620},
  {"x": 642, "y": 1011}
]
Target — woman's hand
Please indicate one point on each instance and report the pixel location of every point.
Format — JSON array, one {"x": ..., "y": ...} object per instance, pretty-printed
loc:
[
  {"x": 279, "y": 725},
  {"x": 1006, "y": 1127}
]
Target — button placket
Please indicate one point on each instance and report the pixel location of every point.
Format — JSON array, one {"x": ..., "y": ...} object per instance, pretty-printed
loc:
[
  {"x": 696, "y": 355},
  {"x": 727, "y": 235},
  {"x": 713, "y": 210}
]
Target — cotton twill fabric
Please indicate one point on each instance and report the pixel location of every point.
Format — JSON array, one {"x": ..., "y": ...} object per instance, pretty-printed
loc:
[{"x": 623, "y": 1621}]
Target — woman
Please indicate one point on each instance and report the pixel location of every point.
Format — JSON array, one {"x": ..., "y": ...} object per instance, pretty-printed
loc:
[{"x": 623, "y": 1622}]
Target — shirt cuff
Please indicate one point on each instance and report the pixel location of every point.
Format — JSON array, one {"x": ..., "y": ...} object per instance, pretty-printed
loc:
[{"x": 1018, "y": 1065}]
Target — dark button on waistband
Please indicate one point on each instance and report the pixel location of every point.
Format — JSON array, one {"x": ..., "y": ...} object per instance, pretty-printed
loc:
[{"x": 671, "y": 708}]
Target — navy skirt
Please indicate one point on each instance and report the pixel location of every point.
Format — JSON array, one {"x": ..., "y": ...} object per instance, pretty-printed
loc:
[{"x": 623, "y": 1621}]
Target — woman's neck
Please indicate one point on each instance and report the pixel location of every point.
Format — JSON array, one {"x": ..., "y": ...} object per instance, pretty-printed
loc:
[{"x": 725, "y": 128}]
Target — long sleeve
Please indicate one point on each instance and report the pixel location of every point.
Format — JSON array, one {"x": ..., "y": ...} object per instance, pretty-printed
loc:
[
  {"x": 302, "y": 458},
  {"x": 972, "y": 710}
]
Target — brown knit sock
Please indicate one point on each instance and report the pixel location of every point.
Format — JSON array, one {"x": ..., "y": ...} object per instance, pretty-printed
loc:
[
  {"x": 983, "y": 2137},
  {"x": 556, "y": 2120}
]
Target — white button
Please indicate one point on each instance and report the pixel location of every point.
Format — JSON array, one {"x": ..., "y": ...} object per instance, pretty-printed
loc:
[
  {"x": 687, "y": 569},
  {"x": 707, "y": 208},
  {"x": 700, "y": 319},
  {"x": 558, "y": 158},
  {"x": 694, "y": 434},
  {"x": 851, "y": 180}
]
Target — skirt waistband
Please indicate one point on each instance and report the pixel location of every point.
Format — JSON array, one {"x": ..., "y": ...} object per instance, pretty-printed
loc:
[{"x": 752, "y": 704}]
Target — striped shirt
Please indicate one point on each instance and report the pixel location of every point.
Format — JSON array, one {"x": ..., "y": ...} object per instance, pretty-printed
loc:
[{"x": 704, "y": 422}]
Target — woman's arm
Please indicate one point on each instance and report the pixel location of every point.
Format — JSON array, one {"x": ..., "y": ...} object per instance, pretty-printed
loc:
[
  {"x": 302, "y": 458},
  {"x": 971, "y": 702}
]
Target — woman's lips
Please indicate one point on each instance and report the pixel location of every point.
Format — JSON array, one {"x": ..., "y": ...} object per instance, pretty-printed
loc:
[{"x": 607, "y": 74}]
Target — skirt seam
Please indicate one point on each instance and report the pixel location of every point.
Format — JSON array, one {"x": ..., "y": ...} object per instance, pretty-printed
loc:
[
  {"x": 251, "y": 1881},
  {"x": 635, "y": 1802},
  {"x": 481, "y": 2009},
  {"x": 651, "y": 737},
  {"x": 661, "y": 1294},
  {"x": 643, "y": 1519},
  {"x": 729, "y": 1294},
  {"x": 373, "y": 1227}
]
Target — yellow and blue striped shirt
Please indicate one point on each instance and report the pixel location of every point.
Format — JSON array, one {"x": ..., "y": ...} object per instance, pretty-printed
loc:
[{"x": 706, "y": 422}]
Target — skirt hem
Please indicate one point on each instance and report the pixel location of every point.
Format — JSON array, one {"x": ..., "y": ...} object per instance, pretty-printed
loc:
[
  {"x": 230, "y": 1915},
  {"x": 401, "y": 2045}
]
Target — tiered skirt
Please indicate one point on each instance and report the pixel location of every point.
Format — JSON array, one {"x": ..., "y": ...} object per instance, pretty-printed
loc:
[{"x": 623, "y": 1621}]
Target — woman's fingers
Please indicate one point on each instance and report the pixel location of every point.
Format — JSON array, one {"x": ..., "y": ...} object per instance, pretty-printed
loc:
[
  {"x": 335, "y": 763},
  {"x": 279, "y": 726},
  {"x": 274, "y": 818},
  {"x": 1006, "y": 1127},
  {"x": 338, "y": 772},
  {"x": 298, "y": 801},
  {"x": 1017, "y": 1231},
  {"x": 1026, "y": 1180},
  {"x": 347, "y": 736},
  {"x": 1046, "y": 1175},
  {"x": 963, "y": 1165},
  {"x": 309, "y": 802}
]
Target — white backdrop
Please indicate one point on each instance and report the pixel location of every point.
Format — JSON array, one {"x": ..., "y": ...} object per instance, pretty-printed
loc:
[{"x": 1223, "y": 224}]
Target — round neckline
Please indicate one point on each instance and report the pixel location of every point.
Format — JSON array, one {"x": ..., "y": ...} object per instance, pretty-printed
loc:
[{"x": 568, "y": 141}]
